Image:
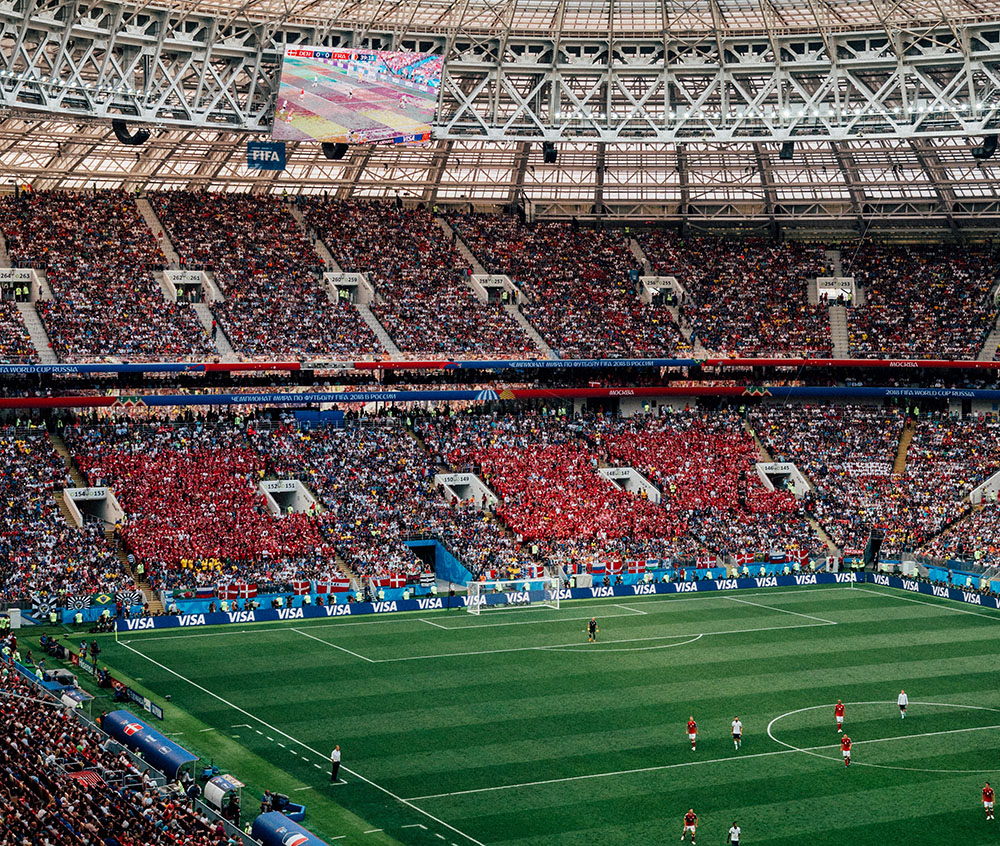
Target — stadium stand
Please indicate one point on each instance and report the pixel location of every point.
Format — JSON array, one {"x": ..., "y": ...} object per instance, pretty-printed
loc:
[
  {"x": 377, "y": 484},
  {"x": 99, "y": 256},
  {"x": 39, "y": 550},
  {"x": 581, "y": 299},
  {"x": 15, "y": 344},
  {"x": 422, "y": 298},
  {"x": 65, "y": 785},
  {"x": 704, "y": 462},
  {"x": 275, "y": 305},
  {"x": 203, "y": 480},
  {"x": 921, "y": 301},
  {"x": 747, "y": 298}
]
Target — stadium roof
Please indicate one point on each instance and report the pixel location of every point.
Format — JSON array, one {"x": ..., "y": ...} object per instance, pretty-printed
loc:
[
  {"x": 844, "y": 183},
  {"x": 590, "y": 17}
]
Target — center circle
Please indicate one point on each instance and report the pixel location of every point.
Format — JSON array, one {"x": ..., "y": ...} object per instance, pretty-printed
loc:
[{"x": 812, "y": 750}]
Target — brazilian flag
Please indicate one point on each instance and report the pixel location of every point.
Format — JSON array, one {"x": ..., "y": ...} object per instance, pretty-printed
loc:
[{"x": 103, "y": 599}]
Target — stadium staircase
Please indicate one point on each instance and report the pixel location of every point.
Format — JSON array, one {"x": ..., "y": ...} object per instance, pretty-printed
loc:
[
  {"x": 899, "y": 465},
  {"x": 836, "y": 266},
  {"x": 59, "y": 445},
  {"x": 518, "y": 317},
  {"x": 205, "y": 317},
  {"x": 460, "y": 244},
  {"x": 319, "y": 245},
  {"x": 156, "y": 227},
  {"x": 36, "y": 331},
  {"x": 838, "y": 332},
  {"x": 640, "y": 256},
  {"x": 989, "y": 350},
  {"x": 383, "y": 337},
  {"x": 4, "y": 255}
]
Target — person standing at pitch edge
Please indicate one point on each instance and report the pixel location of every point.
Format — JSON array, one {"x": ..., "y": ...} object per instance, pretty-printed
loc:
[
  {"x": 902, "y": 702},
  {"x": 334, "y": 763}
]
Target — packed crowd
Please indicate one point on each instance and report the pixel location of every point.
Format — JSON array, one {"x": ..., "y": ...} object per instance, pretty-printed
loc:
[
  {"x": 40, "y": 552},
  {"x": 377, "y": 485},
  {"x": 422, "y": 297},
  {"x": 745, "y": 298},
  {"x": 581, "y": 285},
  {"x": 15, "y": 344},
  {"x": 275, "y": 304},
  {"x": 551, "y": 494},
  {"x": 193, "y": 511},
  {"x": 921, "y": 301},
  {"x": 849, "y": 453},
  {"x": 46, "y": 751},
  {"x": 976, "y": 538},
  {"x": 705, "y": 465},
  {"x": 99, "y": 257}
]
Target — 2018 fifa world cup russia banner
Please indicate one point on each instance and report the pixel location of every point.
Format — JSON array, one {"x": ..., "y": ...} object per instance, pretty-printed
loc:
[{"x": 356, "y": 96}]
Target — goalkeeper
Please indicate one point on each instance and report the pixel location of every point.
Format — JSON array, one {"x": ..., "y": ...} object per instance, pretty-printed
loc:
[{"x": 592, "y": 630}]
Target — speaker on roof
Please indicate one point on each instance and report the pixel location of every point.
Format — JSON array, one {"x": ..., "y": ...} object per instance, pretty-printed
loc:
[
  {"x": 987, "y": 150},
  {"x": 787, "y": 152},
  {"x": 133, "y": 139},
  {"x": 334, "y": 151},
  {"x": 549, "y": 153}
]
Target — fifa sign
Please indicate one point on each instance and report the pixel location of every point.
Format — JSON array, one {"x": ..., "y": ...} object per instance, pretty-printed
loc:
[{"x": 266, "y": 155}]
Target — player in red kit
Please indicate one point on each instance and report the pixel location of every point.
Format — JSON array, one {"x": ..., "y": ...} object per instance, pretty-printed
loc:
[
  {"x": 845, "y": 747},
  {"x": 838, "y": 712},
  {"x": 988, "y": 800},
  {"x": 692, "y": 732},
  {"x": 690, "y": 824}
]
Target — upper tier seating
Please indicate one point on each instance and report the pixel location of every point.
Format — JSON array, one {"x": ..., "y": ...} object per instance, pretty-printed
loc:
[
  {"x": 422, "y": 298},
  {"x": 267, "y": 270},
  {"x": 99, "y": 257}
]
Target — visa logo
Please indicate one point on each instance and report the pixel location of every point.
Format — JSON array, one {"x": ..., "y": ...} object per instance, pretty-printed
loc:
[
  {"x": 141, "y": 623},
  {"x": 973, "y": 598},
  {"x": 686, "y": 587},
  {"x": 242, "y": 617},
  {"x": 726, "y": 584},
  {"x": 640, "y": 590},
  {"x": 844, "y": 577},
  {"x": 602, "y": 591},
  {"x": 937, "y": 590},
  {"x": 805, "y": 580},
  {"x": 337, "y": 610},
  {"x": 191, "y": 620},
  {"x": 911, "y": 585},
  {"x": 289, "y": 613},
  {"x": 767, "y": 581},
  {"x": 424, "y": 604},
  {"x": 382, "y": 607},
  {"x": 881, "y": 580}
]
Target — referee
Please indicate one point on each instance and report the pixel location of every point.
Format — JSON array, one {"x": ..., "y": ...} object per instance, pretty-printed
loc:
[{"x": 734, "y": 835}]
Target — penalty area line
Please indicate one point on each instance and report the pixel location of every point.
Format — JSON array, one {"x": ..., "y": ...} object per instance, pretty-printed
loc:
[{"x": 355, "y": 773}]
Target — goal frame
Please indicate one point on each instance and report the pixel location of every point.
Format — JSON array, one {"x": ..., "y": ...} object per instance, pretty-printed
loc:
[{"x": 540, "y": 593}]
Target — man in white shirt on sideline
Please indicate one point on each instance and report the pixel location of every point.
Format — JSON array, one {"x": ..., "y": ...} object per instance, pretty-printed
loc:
[
  {"x": 334, "y": 763},
  {"x": 902, "y": 702},
  {"x": 734, "y": 835},
  {"x": 737, "y": 732}
]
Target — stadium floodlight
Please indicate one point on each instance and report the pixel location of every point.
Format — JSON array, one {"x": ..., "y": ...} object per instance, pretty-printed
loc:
[{"x": 542, "y": 593}]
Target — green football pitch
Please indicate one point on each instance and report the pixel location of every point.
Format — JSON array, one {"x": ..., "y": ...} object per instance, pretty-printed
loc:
[{"x": 509, "y": 728}]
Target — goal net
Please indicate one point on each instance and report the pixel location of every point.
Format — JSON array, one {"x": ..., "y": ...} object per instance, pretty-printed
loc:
[{"x": 517, "y": 593}]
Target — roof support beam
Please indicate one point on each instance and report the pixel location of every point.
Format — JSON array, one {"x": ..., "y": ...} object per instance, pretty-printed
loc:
[
  {"x": 360, "y": 156},
  {"x": 850, "y": 173},
  {"x": 599, "y": 179},
  {"x": 438, "y": 165},
  {"x": 682, "y": 178},
  {"x": 934, "y": 170},
  {"x": 518, "y": 172}
]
